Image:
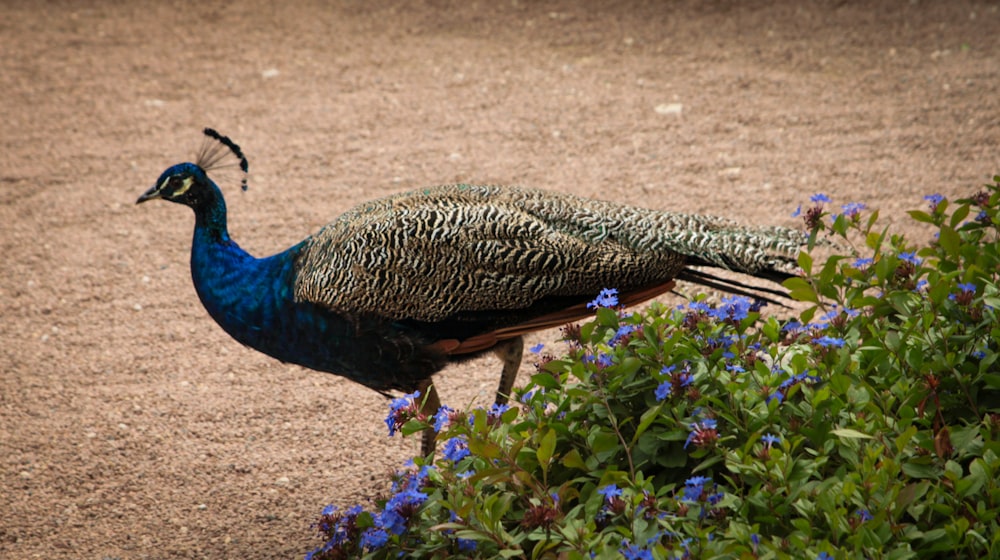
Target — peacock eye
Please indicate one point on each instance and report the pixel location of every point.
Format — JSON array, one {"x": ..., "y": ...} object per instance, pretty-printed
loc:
[{"x": 174, "y": 182}]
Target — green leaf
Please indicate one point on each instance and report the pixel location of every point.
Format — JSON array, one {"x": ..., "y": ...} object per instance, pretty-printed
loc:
[
  {"x": 959, "y": 216},
  {"x": 848, "y": 433},
  {"x": 950, "y": 241},
  {"x": 603, "y": 444},
  {"x": 573, "y": 460},
  {"x": 545, "y": 380},
  {"x": 904, "y": 438},
  {"x": 992, "y": 380},
  {"x": 805, "y": 262},
  {"x": 921, "y": 216},
  {"x": 921, "y": 468},
  {"x": 801, "y": 290},
  {"x": 607, "y": 317},
  {"x": 648, "y": 418},
  {"x": 546, "y": 449},
  {"x": 484, "y": 448},
  {"x": 411, "y": 427}
]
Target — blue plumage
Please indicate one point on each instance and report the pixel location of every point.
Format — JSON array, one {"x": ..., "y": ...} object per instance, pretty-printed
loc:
[{"x": 253, "y": 301}]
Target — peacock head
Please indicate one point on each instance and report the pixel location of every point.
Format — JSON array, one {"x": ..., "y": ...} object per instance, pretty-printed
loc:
[
  {"x": 184, "y": 183},
  {"x": 188, "y": 183}
]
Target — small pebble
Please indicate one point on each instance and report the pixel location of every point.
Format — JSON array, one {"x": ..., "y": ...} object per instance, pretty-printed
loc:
[{"x": 669, "y": 109}]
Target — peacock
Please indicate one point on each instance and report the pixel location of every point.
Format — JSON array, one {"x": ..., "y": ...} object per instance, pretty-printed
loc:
[{"x": 395, "y": 289}]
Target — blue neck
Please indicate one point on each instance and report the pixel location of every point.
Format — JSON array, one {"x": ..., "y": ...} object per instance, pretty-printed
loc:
[
  {"x": 245, "y": 295},
  {"x": 253, "y": 300}
]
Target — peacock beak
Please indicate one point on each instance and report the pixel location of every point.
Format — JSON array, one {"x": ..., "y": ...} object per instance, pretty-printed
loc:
[{"x": 153, "y": 192}]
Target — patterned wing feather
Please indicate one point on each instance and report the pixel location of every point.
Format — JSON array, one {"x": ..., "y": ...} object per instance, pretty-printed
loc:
[{"x": 431, "y": 254}]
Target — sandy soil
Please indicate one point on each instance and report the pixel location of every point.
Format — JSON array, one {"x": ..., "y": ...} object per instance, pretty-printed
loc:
[{"x": 131, "y": 426}]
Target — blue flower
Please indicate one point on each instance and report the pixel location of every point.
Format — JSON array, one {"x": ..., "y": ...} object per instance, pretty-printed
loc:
[
  {"x": 968, "y": 288},
  {"x": 607, "y": 298},
  {"x": 829, "y": 342},
  {"x": 724, "y": 342},
  {"x": 663, "y": 390},
  {"x": 466, "y": 545},
  {"x": 853, "y": 209},
  {"x": 442, "y": 418},
  {"x": 824, "y": 556},
  {"x": 864, "y": 515},
  {"x": 734, "y": 308},
  {"x": 610, "y": 491},
  {"x": 862, "y": 263},
  {"x": 399, "y": 410},
  {"x": 699, "y": 307},
  {"x": 622, "y": 332},
  {"x": 836, "y": 316},
  {"x": 934, "y": 200},
  {"x": 702, "y": 433},
  {"x": 374, "y": 538},
  {"x": 604, "y": 360},
  {"x": 456, "y": 449},
  {"x": 497, "y": 410},
  {"x": 770, "y": 439},
  {"x": 797, "y": 212},
  {"x": 755, "y": 539},
  {"x": 798, "y": 378},
  {"x": 686, "y": 378},
  {"x": 910, "y": 257},
  {"x": 536, "y": 348},
  {"x": 819, "y": 198},
  {"x": 715, "y": 498},
  {"x": 791, "y": 327},
  {"x": 633, "y": 552},
  {"x": 408, "y": 497},
  {"x": 698, "y": 481},
  {"x": 391, "y": 521},
  {"x": 694, "y": 487},
  {"x": 412, "y": 481}
]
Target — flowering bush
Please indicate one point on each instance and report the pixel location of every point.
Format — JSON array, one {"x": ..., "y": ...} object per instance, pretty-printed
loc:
[{"x": 866, "y": 428}]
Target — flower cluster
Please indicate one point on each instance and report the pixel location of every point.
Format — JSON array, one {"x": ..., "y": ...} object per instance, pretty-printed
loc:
[
  {"x": 851, "y": 212},
  {"x": 935, "y": 201},
  {"x": 703, "y": 433},
  {"x": 678, "y": 382},
  {"x": 787, "y": 384},
  {"x": 401, "y": 411},
  {"x": 607, "y": 298},
  {"x": 456, "y": 449},
  {"x": 343, "y": 531},
  {"x": 700, "y": 490}
]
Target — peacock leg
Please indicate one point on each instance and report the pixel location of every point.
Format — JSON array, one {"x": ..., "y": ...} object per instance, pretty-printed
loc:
[
  {"x": 428, "y": 407},
  {"x": 510, "y": 351}
]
